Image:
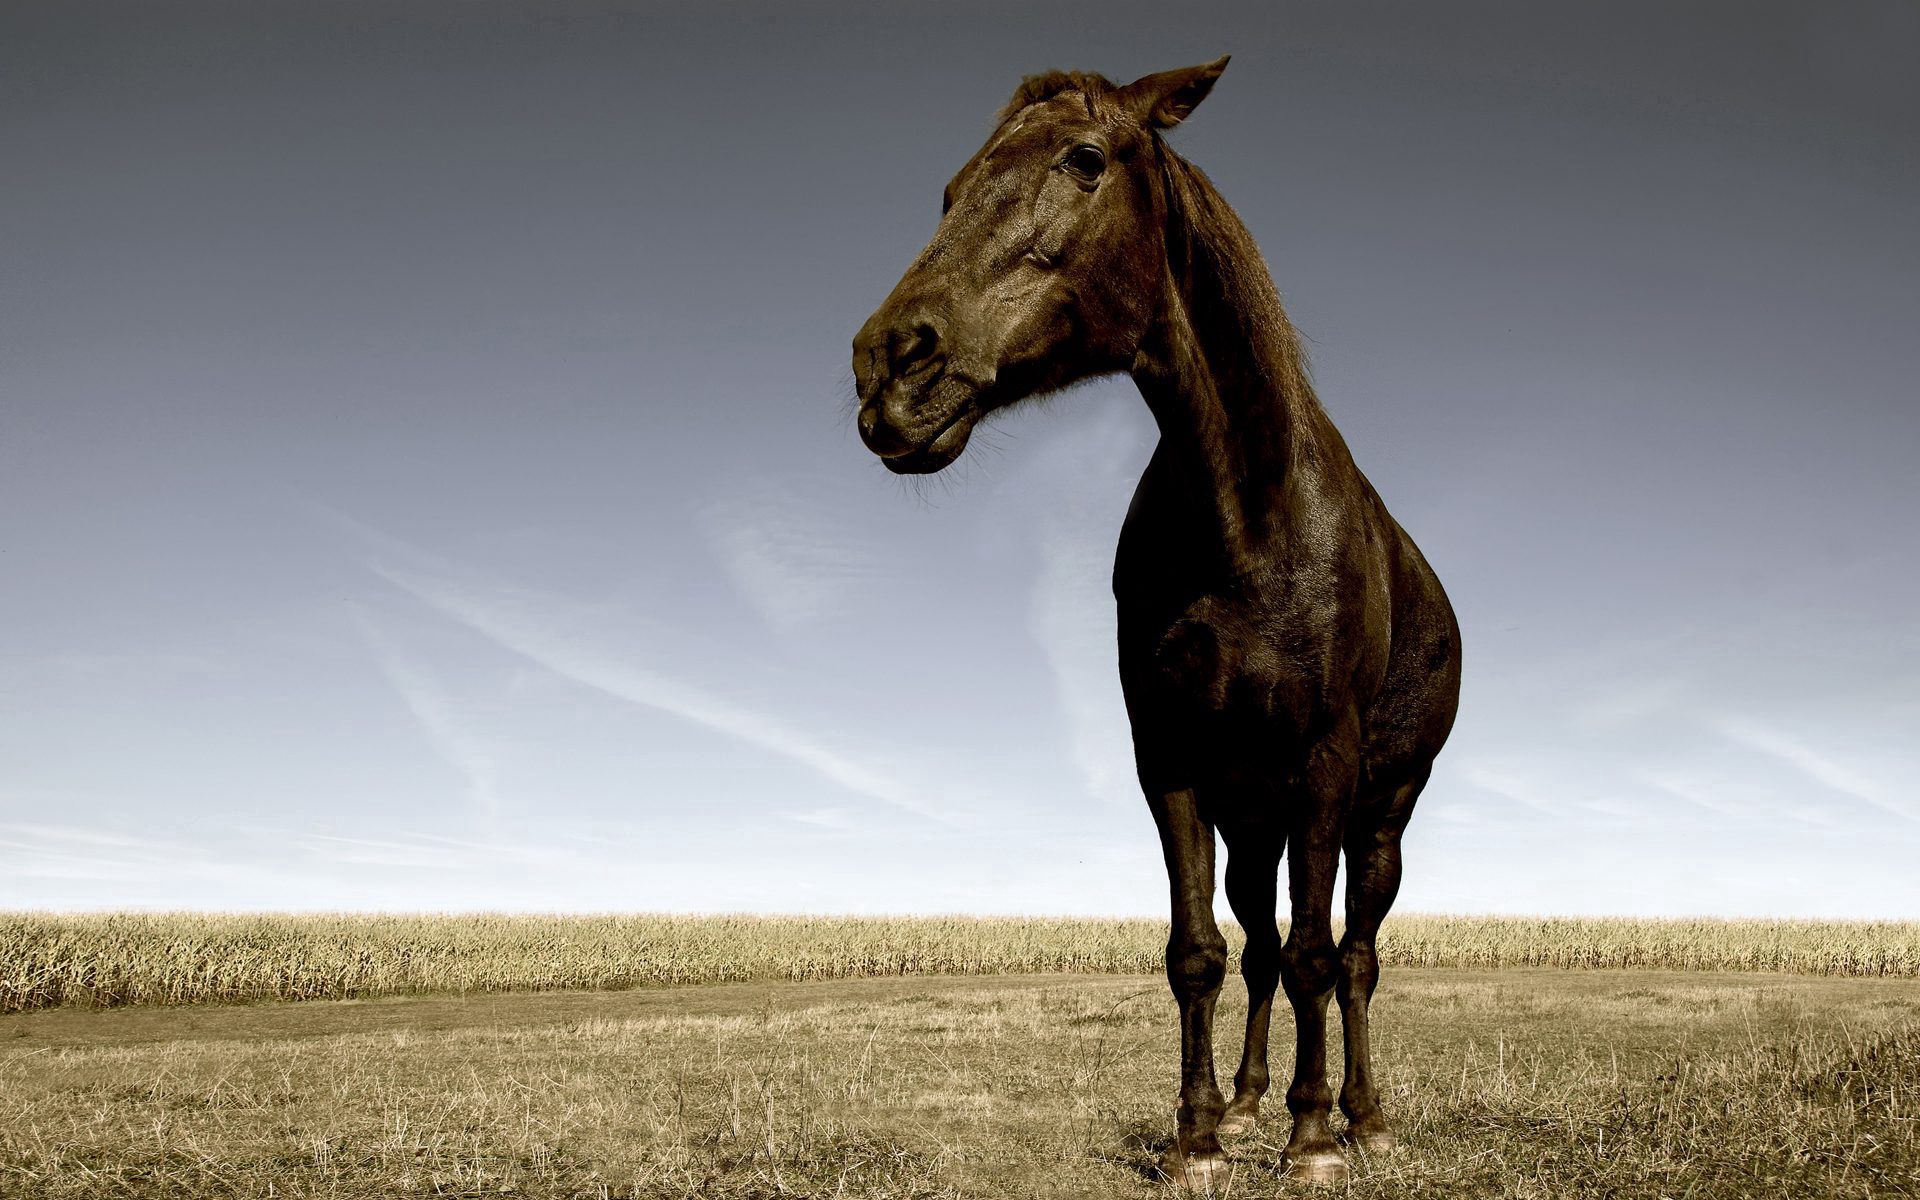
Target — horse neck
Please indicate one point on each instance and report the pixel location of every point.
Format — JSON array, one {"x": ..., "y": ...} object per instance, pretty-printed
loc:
[{"x": 1222, "y": 372}]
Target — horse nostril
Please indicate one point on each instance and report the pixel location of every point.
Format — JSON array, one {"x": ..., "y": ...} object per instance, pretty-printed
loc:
[
  {"x": 880, "y": 437},
  {"x": 907, "y": 347}
]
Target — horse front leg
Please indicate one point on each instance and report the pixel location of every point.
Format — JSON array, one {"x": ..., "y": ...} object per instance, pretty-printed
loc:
[
  {"x": 1253, "y": 867},
  {"x": 1373, "y": 880},
  {"x": 1196, "y": 965},
  {"x": 1309, "y": 963}
]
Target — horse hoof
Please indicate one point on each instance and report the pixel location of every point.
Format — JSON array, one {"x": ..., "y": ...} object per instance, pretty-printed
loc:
[
  {"x": 1201, "y": 1174},
  {"x": 1317, "y": 1166},
  {"x": 1237, "y": 1124}
]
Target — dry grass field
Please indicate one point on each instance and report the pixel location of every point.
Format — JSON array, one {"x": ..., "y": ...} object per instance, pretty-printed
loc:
[
  {"x": 919, "y": 1059},
  {"x": 112, "y": 959},
  {"x": 1506, "y": 1083}
]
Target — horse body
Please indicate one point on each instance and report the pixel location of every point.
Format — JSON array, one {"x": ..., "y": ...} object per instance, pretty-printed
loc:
[
  {"x": 1291, "y": 668},
  {"x": 1289, "y": 660}
]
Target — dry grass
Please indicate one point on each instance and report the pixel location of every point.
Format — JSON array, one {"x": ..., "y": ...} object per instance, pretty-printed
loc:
[
  {"x": 1505, "y": 1084},
  {"x": 106, "y": 960}
]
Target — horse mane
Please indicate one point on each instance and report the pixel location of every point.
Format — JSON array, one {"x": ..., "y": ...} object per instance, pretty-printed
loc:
[
  {"x": 1225, "y": 279},
  {"x": 1045, "y": 86},
  {"x": 1213, "y": 256}
]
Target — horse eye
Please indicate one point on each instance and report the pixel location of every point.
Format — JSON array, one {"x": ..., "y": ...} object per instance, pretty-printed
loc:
[{"x": 1086, "y": 161}]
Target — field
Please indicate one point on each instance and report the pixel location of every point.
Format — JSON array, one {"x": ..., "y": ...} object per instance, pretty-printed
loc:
[
  {"x": 1506, "y": 1081},
  {"x": 106, "y": 960}
]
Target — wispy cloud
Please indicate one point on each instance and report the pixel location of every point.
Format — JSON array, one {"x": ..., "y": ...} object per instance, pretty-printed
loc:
[
  {"x": 539, "y": 627},
  {"x": 784, "y": 558},
  {"x": 1614, "y": 704},
  {"x": 1509, "y": 782},
  {"x": 1700, "y": 793},
  {"x": 1070, "y": 609},
  {"x": 87, "y": 857},
  {"x": 426, "y": 852},
  {"x": 1071, "y": 619},
  {"x": 37, "y": 851},
  {"x": 1816, "y": 765},
  {"x": 835, "y": 818},
  {"x": 434, "y": 710}
]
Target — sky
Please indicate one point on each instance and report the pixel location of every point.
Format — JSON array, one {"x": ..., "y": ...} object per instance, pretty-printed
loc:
[{"x": 428, "y": 481}]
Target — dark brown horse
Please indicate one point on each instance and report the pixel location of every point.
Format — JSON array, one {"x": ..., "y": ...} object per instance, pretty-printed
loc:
[{"x": 1290, "y": 663}]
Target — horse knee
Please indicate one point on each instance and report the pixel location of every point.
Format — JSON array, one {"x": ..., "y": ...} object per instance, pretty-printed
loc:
[
  {"x": 1196, "y": 967},
  {"x": 1359, "y": 967},
  {"x": 1260, "y": 964},
  {"x": 1309, "y": 968}
]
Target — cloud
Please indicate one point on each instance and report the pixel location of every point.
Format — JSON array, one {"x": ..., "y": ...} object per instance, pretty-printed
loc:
[
  {"x": 469, "y": 756},
  {"x": 1071, "y": 618},
  {"x": 33, "y": 851},
  {"x": 54, "y": 838},
  {"x": 784, "y": 559},
  {"x": 1070, "y": 610},
  {"x": 535, "y": 626},
  {"x": 1700, "y": 793},
  {"x": 112, "y": 863},
  {"x": 427, "y": 852},
  {"x": 1509, "y": 783},
  {"x": 834, "y": 817},
  {"x": 1812, "y": 763}
]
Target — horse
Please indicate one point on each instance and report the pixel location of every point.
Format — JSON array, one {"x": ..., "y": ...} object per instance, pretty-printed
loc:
[{"x": 1289, "y": 661}]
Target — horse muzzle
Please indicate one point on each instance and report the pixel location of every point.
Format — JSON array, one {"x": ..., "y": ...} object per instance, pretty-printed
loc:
[
  {"x": 919, "y": 437},
  {"x": 919, "y": 403}
]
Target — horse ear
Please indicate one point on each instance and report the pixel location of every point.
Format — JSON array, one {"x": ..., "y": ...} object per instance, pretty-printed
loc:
[{"x": 1164, "y": 99}]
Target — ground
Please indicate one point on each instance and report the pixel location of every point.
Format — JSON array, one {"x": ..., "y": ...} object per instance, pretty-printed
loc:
[{"x": 1507, "y": 1083}]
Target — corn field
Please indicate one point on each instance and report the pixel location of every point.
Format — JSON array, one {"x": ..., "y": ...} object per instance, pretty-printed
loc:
[{"x": 110, "y": 959}]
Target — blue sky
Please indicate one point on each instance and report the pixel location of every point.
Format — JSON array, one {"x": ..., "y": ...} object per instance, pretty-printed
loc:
[{"x": 427, "y": 477}]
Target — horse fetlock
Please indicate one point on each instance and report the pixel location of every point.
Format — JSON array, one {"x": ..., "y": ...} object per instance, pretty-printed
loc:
[
  {"x": 1242, "y": 1116},
  {"x": 1198, "y": 1114},
  {"x": 1309, "y": 1101}
]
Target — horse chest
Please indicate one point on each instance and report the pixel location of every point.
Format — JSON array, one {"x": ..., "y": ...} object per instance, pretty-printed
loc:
[{"x": 1275, "y": 654}]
